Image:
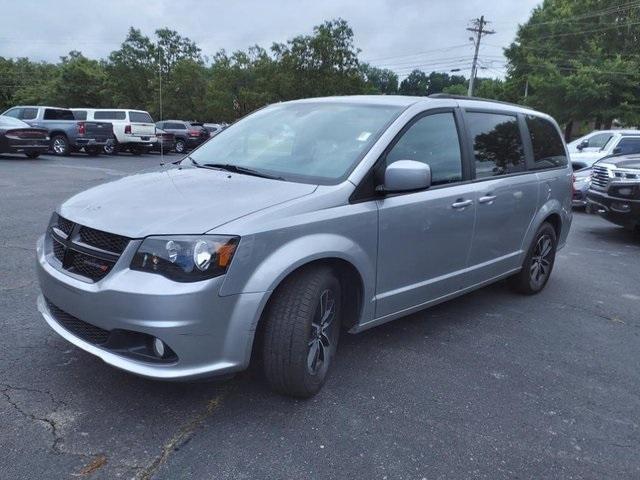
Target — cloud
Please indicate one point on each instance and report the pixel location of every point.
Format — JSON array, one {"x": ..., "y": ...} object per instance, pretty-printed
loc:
[{"x": 390, "y": 33}]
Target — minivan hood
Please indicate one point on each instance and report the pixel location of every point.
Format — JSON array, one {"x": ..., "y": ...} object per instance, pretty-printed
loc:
[{"x": 177, "y": 200}]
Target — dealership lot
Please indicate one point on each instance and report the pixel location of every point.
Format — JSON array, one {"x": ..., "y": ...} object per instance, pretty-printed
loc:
[{"x": 492, "y": 385}]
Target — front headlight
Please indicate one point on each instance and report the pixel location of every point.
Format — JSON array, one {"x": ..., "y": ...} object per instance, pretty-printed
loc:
[{"x": 185, "y": 258}]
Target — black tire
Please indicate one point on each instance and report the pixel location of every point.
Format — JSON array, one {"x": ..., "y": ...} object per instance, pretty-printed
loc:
[
  {"x": 60, "y": 145},
  {"x": 180, "y": 146},
  {"x": 298, "y": 345},
  {"x": 111, "y": 148},
  {"x": 32, "y": 154},
  {"x": 538, "y": 264},
  {"x": 92, "y": 151}
]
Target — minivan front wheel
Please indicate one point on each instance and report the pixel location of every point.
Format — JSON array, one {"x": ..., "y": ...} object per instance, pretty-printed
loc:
[
  {"x": 538, "y": 263},
  {"x": 301, "y": 332}
]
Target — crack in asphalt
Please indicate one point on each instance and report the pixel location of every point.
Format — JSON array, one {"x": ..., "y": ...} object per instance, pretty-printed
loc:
[
  {"x": 183, "y": 436},
  {"x": 50, "y": 423},
  {"x": 591, "y": 312}
]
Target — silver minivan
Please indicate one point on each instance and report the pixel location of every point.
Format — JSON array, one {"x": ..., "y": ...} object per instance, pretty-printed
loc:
[{"x": 299, "y": 221}]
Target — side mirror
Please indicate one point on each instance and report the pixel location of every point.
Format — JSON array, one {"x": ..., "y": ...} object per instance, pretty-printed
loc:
[
  {"x": 406, "y": 175},
  {"x": 583, "y": 144}
]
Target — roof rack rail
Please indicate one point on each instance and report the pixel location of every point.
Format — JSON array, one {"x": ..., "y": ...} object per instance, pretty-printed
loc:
[{"x": 478, "y": 99}]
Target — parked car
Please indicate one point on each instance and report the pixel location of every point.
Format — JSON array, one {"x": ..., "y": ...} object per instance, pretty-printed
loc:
[
  {"x": 165, "y": 141},
  {"x": 17, "y": 136},
  {"x": 133, "y": 130},
  {"x": 581, "y": 184},
  {"x": 188, "y": 135},
  {"x": 214, "y": 128},
  {"x": 66, "y": 133},
  {"x": 300, "y": 220},
  {"x": 596, "y": 140},
  {"x": 615, "y": 190},
  {"x": 618, "y": 143}
]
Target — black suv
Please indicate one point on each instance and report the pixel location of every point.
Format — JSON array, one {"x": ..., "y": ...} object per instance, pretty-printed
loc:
[
  {"x": 615, "y": 189},
  {"x": 188, "y": 135}
]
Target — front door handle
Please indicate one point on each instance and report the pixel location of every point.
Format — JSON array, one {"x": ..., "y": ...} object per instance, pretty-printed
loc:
[
  {"x": 462, "y": 203},
  {"x": 487, "y": 199}
]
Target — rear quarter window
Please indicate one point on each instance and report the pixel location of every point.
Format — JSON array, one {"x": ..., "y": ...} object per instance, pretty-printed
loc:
[
  {"x": 58, "y": 114},
  {"x": 109, "y": 115},
  {"x": 140, "y": 117},
  {"x": 80, "y": 114},
  {"x": 548, "y": 149}
]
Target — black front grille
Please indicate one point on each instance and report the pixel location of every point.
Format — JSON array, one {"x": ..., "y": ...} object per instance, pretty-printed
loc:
[
  {"x": 85, "y": 251},
  {"x": 65, "y": 225},
  {"x": 89, "y": 266},
  {"x": 103, "y": 240},
  {"x": 86, "y": 331},
  {"x": 58, "y": 250}
]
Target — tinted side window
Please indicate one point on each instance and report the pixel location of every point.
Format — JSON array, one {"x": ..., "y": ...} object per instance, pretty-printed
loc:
[
  {"x": 497, "y": 145},
  {"x": 548, "y": 150},
  {"x": 29, "y": 113},
  {"x": 177, "y": 126},
  {"x": 58, "y": 114},
  {"x": 628, "y": 145},
  {"x": 109, "y": 115},
  {"x": 432, "y": 140},
  {"x": 140, "y": 117},
  {"x": 80, "y": 114}
]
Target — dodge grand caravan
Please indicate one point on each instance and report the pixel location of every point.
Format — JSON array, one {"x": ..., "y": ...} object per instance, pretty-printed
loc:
[{"x": 304, "y": 219}]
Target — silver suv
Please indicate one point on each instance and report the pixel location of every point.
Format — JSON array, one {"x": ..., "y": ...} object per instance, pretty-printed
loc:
[{"x": 301, "y": 220}]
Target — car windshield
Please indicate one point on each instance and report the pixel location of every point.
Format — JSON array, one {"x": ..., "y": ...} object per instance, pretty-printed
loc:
[
  {"x": 11, "y": 122},
  {"x": 313, "y": 142}
]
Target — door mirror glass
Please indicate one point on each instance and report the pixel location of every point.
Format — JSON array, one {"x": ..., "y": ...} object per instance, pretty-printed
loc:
[{"x": 406, "y": 175}]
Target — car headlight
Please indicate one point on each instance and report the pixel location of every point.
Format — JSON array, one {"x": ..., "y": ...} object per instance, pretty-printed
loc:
[{"x": 185, "y": 258}]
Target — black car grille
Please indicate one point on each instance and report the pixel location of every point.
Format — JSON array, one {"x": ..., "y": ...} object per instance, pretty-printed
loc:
[
  {"x": 105, "y": 241},
  {"x": 86, "y": 331},
  {"x": 600, "y": 177},
  {"x": 85, "y": 251}
]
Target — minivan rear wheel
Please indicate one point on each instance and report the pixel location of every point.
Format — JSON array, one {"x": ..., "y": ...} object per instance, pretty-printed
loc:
[
  {"x": 538, "y": 263},
  {"x": 301, "y": 332}
]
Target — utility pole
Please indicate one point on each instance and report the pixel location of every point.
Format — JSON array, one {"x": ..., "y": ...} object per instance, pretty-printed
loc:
[{"x": 478, "y": 28}]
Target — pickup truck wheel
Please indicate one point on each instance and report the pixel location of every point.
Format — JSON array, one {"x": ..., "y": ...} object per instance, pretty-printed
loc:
[
  {"x": 180, "y": 146},
  {"x": 111, "y": 148},
  {"x": 301, "y": 332},
  {"x": 60, "y": 145},
  {"x": 538, "y": 263}
]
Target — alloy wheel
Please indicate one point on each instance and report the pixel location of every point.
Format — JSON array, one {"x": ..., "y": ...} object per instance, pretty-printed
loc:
[
  {"x": 321, "y": 340},
  {"x": 59, "y": 146},
  {"x": 541, "y": 261}
]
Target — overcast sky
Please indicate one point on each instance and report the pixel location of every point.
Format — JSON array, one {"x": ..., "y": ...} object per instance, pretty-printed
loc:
[{"x": 399, "y": 34}]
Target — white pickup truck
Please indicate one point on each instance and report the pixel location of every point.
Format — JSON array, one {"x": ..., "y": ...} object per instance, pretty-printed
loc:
[{"x": 134, "y": 130}]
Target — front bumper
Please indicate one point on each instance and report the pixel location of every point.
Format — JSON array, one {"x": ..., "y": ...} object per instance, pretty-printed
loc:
[
  {"x": 210, "y": 334},
  {"x": 621, "y": 211}
]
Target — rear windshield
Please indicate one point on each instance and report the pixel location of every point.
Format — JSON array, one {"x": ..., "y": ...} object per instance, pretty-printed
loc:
[
  {"x": 109, "y": 115},
  {"x": 58, "y": 114},
  {"x": 140, "y": 117}
]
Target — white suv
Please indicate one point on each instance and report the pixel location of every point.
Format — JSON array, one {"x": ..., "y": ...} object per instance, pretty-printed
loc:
[
  {"x": 602, "y": 145},
  {"x": 134, "y": 130}
]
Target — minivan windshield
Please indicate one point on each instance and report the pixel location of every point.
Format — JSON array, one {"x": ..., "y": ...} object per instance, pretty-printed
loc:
[{"x": 312, "y": 142}]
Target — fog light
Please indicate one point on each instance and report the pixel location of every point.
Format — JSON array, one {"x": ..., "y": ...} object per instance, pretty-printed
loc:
[{"x": 158, "y": 347}]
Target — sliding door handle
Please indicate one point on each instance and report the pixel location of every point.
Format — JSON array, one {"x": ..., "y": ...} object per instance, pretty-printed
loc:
[{"x": 462, "y": 203}]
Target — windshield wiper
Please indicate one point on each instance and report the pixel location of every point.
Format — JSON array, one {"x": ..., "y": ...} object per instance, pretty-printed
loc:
[{"x": 243, "y": 170}]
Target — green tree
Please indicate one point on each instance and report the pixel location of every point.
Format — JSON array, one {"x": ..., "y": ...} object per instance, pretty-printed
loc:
[
  {"x": 379, "y": 80},
  {"x": 416, "y": 83}
]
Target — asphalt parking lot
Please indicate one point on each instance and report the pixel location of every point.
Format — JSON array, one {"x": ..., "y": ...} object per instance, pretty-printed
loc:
[{"x": 491, "y": 385}]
